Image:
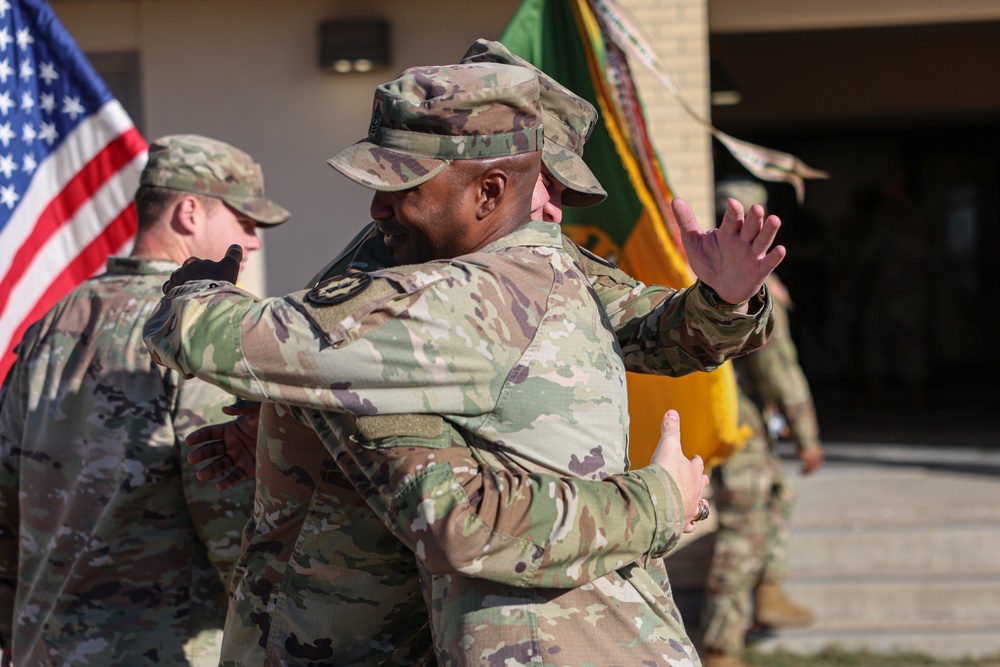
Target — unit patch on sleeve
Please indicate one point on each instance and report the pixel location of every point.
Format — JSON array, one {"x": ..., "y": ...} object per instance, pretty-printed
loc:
[{"x": 339, "y": 289}]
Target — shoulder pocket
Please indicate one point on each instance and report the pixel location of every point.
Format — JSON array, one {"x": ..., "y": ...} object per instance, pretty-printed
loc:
[{"x": 337, "y": 305}]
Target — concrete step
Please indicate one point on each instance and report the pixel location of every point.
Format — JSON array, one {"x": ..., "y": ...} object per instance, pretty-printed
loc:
[
  {"x": 895, "y": 550},
  {"x": 899, "y": 599},
  {"x": 871, "y": 614},
  {"x": 947, "y": 641},
  {"x": 856, "y": 497}
]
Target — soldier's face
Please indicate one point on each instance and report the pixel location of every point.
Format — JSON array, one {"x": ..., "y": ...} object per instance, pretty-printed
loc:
[
  {"x": 552, "y": 210},
  {"x": 435, "y": 220},
  {"x": 540, "y": 200},
  {"x": 222, "y": 227}
]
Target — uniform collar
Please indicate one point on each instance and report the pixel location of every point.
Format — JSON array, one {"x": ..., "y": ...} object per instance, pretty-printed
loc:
[{"x": 535, "y": 233}]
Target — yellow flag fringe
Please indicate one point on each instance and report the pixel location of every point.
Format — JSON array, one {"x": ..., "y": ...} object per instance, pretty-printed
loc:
[{"x": 651, "y": 255}]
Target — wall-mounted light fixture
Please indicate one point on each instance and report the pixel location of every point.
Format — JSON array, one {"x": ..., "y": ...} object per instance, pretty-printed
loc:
[{"x": 354, "y": 46}]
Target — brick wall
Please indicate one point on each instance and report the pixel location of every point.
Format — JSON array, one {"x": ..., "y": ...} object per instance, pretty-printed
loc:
[{"x": 679, "y": 32}]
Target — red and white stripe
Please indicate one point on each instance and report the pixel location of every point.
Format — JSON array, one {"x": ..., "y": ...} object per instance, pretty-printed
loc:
[{"x": 77, "y": 211}]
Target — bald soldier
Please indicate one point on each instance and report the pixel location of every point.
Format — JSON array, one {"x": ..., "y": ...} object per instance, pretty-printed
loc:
[
  {"x": 530, "y": 257},
  {"x": 111, "y": 552}
]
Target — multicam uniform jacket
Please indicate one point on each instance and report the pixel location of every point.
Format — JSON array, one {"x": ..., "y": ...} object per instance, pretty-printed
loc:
[
  {"x": 754, "y": 496},
  {"x": 529, "y": 360},
  {"x": 661, "y": 331},
  {"x": 111, "y": 552},
  {"x": 773, "y": 379}
]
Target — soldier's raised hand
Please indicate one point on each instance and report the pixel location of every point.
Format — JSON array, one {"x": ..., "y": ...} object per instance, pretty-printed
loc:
[
  {"x": 735, "y": 258},
  {"x": 227, "y": 268}
]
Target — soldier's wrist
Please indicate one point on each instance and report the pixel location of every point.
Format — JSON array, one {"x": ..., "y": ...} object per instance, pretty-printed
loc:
[{"x": 714, "y": 300}]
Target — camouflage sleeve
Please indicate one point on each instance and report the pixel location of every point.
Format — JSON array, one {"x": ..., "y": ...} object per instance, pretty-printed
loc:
[
  {"x": 219, "y": 517},
  {"x": 11, "y": 430},
  {"x": 773, "y": 376},
  {"x": 462, "y": 511},
  {"x": 9, "y": 516},
  {"x": 360, "y": 345},
  {"x": 661, "y": 330},
  {"x": 664, "y": 331}
]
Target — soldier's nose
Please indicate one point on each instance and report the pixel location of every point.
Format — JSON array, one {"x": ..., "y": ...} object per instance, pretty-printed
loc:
[{"x": 381, "y": 208}]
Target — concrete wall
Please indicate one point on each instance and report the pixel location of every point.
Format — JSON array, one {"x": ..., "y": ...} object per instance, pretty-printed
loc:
[{"x": 245, "y": 71}]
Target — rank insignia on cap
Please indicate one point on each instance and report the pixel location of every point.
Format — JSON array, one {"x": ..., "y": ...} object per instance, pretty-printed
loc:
[
  {"x": 339, "y": 289},
  {"x": 376, "y": 120}
]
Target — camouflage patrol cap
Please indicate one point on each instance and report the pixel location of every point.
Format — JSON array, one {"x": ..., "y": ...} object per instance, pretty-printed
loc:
[
  {"x": 430, "y": 116},
  {"x": 212, "y": 168},
  {"x": 568, "y": 119}
]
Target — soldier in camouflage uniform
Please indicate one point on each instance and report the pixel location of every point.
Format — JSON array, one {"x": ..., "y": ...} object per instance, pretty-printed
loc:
[
  {"x": 753, "y": 496},
  {"x": 556, "y": 529},
  {"x": 289, "y": 523},
  {"x": 111, "y": 553}
]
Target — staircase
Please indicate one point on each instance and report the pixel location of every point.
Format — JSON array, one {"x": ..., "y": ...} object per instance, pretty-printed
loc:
[{"x": 896, "y": 549}]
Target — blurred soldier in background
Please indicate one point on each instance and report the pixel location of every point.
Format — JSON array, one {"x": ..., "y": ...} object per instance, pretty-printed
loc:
[
  {"x": 111, "y": 552},
  {"x": 753, "y": 497}
]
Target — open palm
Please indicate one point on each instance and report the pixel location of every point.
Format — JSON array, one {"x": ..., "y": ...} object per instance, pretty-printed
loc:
[{"x": 735, "y": 258}]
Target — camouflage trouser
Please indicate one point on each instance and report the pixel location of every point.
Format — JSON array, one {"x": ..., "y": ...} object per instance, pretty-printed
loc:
[{"x": 754, "y": 502}]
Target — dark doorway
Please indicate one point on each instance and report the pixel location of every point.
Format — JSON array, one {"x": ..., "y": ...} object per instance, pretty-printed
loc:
[{"x": 892, "y": 262}]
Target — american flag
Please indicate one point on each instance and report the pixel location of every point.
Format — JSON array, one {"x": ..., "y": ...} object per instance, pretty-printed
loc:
[{"x": 70, "y": 160}]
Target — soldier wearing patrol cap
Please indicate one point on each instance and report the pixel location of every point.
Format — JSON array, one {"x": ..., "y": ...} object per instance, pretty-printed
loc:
[
  {"x": 111, "y": 553},
  {"x": 441, "y": 443},
  {"x": 754, "y": 497},
  {"x": 213, "y": 170},
  {"x": 568, "y": 120}
]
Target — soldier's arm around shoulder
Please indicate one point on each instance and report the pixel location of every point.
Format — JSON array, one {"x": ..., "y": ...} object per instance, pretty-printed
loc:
[
  {"x": 287, "y": 349},
  {"x": 463, "y": 513},
  {"x": 666, "y": 331},
  {"x": 348, "y": 340}
]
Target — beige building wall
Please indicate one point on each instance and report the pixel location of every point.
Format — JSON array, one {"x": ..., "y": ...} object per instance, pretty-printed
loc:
[
  {"x": 245, "y": 71},
  {"x": 678, "y": 30}
]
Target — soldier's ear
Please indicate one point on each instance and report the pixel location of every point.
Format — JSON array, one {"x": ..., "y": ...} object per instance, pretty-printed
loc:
[
  {"x": 185, "y": 215},
  {"x": 493, "y": 185}
]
